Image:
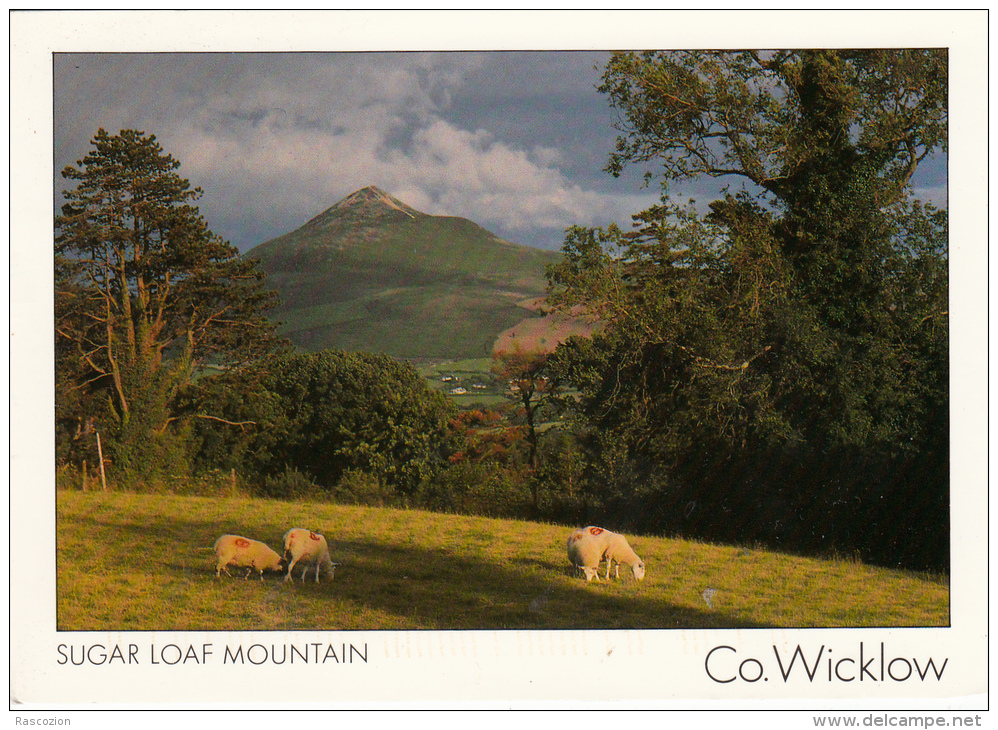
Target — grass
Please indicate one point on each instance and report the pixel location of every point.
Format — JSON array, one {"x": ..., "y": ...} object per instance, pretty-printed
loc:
[
  {"x": 434, "y": 320},
  {"x": 143, "y": 562}
]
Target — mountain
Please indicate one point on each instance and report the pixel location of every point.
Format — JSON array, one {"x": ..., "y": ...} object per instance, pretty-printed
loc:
[{"x": 372, "y": 273}]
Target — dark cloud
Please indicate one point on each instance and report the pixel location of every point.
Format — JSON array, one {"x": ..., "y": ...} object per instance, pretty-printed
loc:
[
  {"x": 516, "y": 141},
  {"x": 274, "y": 139}
]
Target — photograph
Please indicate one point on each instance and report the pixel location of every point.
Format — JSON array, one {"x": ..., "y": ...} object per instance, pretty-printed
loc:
[{"x": 611, "y": 369}]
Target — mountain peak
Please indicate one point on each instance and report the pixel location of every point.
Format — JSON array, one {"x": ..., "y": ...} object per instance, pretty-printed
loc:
[
  {"x": 371, "y": 273},
  {"x": 368, "y": 201}
]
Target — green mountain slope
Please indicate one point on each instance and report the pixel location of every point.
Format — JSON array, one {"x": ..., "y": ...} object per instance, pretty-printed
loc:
[{"x": 372, "y": 273}]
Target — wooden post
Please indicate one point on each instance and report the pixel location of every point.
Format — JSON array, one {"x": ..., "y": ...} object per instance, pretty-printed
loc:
[
  {"x": 232, "y": 483},
  {"x": 83, "y": 482},
  {"x": 100, "y": 454}
]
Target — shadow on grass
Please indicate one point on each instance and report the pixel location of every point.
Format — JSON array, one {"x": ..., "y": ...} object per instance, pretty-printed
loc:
[{"x": 447, "y": 588}]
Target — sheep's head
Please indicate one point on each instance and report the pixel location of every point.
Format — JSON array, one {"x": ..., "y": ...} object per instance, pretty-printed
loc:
[{"x": 639, "y": 571}]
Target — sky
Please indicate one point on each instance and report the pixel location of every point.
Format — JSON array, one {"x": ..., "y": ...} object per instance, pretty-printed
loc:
[{"x": 515, "y": 141}]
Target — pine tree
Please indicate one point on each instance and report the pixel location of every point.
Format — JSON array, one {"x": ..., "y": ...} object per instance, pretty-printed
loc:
[{"x": 146, "y": 297}]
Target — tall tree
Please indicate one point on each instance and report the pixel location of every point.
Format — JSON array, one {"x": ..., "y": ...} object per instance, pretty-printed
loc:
[
  {"x": 534, "y": 385},
  {"x": 146, "y": 294},
  {"x": 807, "y": 308}
]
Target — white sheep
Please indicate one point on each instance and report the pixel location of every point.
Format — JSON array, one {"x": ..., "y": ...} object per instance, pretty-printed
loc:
[
  {"x": 588, "y": 547},
  {"x": 242, "y": 552},
  {"x": 305, "y": 546}
]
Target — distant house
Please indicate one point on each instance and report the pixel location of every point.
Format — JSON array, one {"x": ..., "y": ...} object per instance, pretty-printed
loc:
[{"x": 458, "y": 391}]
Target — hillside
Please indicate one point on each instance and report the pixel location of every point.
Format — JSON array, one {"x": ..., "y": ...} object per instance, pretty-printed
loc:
[
  {"x": 129, "y": 562},
  {"x": 371, "y": 273}
]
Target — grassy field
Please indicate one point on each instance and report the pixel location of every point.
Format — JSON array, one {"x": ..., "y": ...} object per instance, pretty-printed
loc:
[{"x": 143, "y": 562}]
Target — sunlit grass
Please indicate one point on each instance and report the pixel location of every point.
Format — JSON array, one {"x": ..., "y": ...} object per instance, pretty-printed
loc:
[{"x": 144, "y": 562}]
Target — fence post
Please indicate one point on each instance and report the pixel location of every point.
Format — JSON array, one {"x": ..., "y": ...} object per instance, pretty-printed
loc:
[{"x": 100, "y": 454}]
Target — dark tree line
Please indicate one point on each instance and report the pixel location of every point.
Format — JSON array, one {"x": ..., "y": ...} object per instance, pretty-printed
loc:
[{"x": 775, "y": 369}]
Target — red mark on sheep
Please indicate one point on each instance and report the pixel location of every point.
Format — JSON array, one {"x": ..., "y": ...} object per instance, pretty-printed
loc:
[
  {"x": 242, "y": 542},
  {"x": 595, "y": 530},
  {"x": 313, "y": 536}
]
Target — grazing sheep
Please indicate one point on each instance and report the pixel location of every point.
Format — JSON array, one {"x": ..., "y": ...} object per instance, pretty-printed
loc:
[
  {"x": 305, "y": 546},
  {"x": 242, "y": 552},
  {"x": 591, "y": 545}
]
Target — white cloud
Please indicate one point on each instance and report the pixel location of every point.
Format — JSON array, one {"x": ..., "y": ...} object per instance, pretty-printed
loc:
[
  {"x": 277, "y": 165},
  {"x": 279, "y": 140}
]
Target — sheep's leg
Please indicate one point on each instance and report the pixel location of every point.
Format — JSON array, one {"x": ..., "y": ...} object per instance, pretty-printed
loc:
[
  {"x": 290, "y": 566},
  {"x": 318, "y": 564}
]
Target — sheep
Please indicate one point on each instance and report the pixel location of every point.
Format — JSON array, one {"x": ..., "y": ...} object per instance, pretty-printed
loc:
[
  {"x": 305, "y": 546},
  {"x": 242, "y": 552},
  {"x": 588, "y": 547}
]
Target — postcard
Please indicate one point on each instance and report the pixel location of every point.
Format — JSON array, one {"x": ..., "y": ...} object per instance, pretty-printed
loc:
[{"x": 495, "y": 359}]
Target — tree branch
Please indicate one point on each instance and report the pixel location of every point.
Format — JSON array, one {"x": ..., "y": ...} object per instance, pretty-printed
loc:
[
  {"x": 705, "y": 363},
  {"x": 222, "y": 420}
]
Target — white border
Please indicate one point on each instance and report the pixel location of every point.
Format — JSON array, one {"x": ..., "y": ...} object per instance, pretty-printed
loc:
[{"x": 486, "y": 669}]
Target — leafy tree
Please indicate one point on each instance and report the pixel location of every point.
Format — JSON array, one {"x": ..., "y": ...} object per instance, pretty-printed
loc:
[
  {"x": 535, "y": 386},
  {"x": 806, "y": 312},
  {"x": 146, "y": 296},
  {"x": 532, "y": 384},
  {"x": 327, "y": 415},
  {"x": 479, "y": 435}
]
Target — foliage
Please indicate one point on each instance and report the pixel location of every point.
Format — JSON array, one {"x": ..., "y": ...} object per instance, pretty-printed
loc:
[
  {"x": 289, "y": 484},
  {"x": 325, "y": 415},
  {"x": 535, "y": 386},
  {"x": 145, "y": 296},
  {"x": 559, "y": 479},
  {"x": 804, "y": 316},
  {"x": 359, "y": 487},
  {"x": 486, "y": 488},
  {"x": 478, "y": 435}
]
